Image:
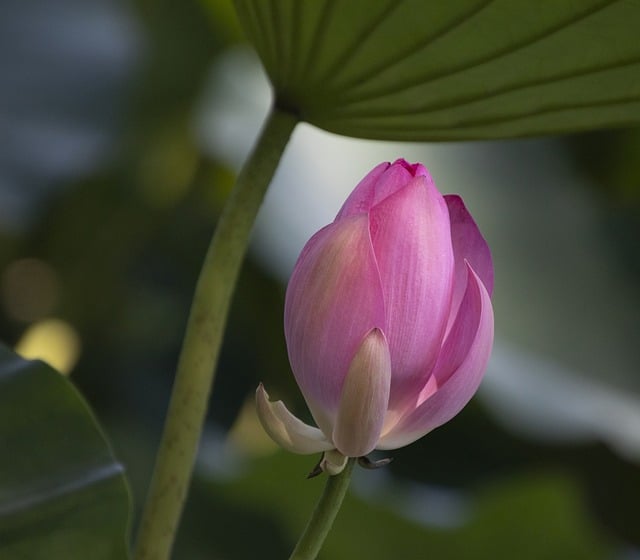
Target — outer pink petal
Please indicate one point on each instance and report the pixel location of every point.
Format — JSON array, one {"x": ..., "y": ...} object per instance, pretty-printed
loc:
[
  {"x": 458, "y": 373},
  {"x": 469, "y": 245},
  {"x": 412, "y": 243},
  {"x": 383, "y": 181},
  {"x": 361, "y": 198},
  {"x": 333, "y": 300}
]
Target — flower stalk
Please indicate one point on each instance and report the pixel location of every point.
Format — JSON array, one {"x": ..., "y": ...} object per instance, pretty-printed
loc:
[
  {"x": 323, "y": 515},
  {"x": 202, "y": 341}
]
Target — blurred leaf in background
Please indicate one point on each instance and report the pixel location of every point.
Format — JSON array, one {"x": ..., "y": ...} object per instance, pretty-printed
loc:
[
  {"x": 503, "y": 520},
  {"x": 62, "y": 493}
]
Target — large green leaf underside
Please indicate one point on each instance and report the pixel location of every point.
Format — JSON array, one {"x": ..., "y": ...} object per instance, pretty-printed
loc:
[
  {"x": 460, "y": 69},
  {"x": 62, "y": 494}
]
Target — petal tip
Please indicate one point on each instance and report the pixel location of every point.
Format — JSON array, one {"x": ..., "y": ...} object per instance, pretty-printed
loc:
[{"x": 288, "y": 431}]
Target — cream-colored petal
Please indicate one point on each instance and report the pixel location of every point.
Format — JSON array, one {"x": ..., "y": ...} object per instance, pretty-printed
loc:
[
  {"x": 365, "y": 397},
  {"x": 333, "y": 462},
  {"x": 288, "y": 431}
]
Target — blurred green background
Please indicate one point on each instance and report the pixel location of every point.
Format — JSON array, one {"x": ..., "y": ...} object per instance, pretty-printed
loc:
[{"x": 121, "y": 128}]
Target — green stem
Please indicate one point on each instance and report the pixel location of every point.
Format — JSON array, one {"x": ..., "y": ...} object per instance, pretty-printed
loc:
[
  {"x": 322, "y": 517},
  {"x": 201, "y": 345}
]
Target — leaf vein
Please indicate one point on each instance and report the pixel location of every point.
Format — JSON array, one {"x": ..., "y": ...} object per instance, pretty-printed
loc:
[
  {"x": 358, "y": 42},
  {"x": 491, "y": 57},
  {"x": 372, "y": 72},
  {"x": 463, "y": 101}
]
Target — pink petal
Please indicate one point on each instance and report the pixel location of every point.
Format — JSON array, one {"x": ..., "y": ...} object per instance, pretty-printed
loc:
[
  {"x": 383, "y": 181},
  {"x": 458, "y": 372},
  {"x": 333, "y": 300},
  {"x": 469, "y": 245},
  {"x": 412, "y": 243},
  {"x": 365, "y": 397},
  {"x": 416, "y": 169},
  {"x": 361, "y": 198}
]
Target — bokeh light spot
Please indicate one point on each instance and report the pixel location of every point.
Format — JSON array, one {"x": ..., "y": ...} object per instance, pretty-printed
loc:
[
  {"x": 29, "y": 290},
  {"x": 53, "y": 341}
]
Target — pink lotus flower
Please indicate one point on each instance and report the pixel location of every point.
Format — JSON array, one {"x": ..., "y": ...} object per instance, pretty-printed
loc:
[{"x": 388, "y": 319}]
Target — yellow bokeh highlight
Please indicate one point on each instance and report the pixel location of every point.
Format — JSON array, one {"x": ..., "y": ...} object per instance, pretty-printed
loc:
[{"x": 53, "y": 341}]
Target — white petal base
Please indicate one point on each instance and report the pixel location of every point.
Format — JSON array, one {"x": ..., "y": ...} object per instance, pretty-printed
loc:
[{"x": 287, "y": 430}]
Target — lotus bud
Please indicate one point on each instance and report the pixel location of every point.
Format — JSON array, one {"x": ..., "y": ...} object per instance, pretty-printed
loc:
[{"x": 388, "y": 319}]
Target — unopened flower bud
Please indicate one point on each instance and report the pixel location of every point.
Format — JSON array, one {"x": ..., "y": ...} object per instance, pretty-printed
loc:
[{"x": 388, "y": 319}]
